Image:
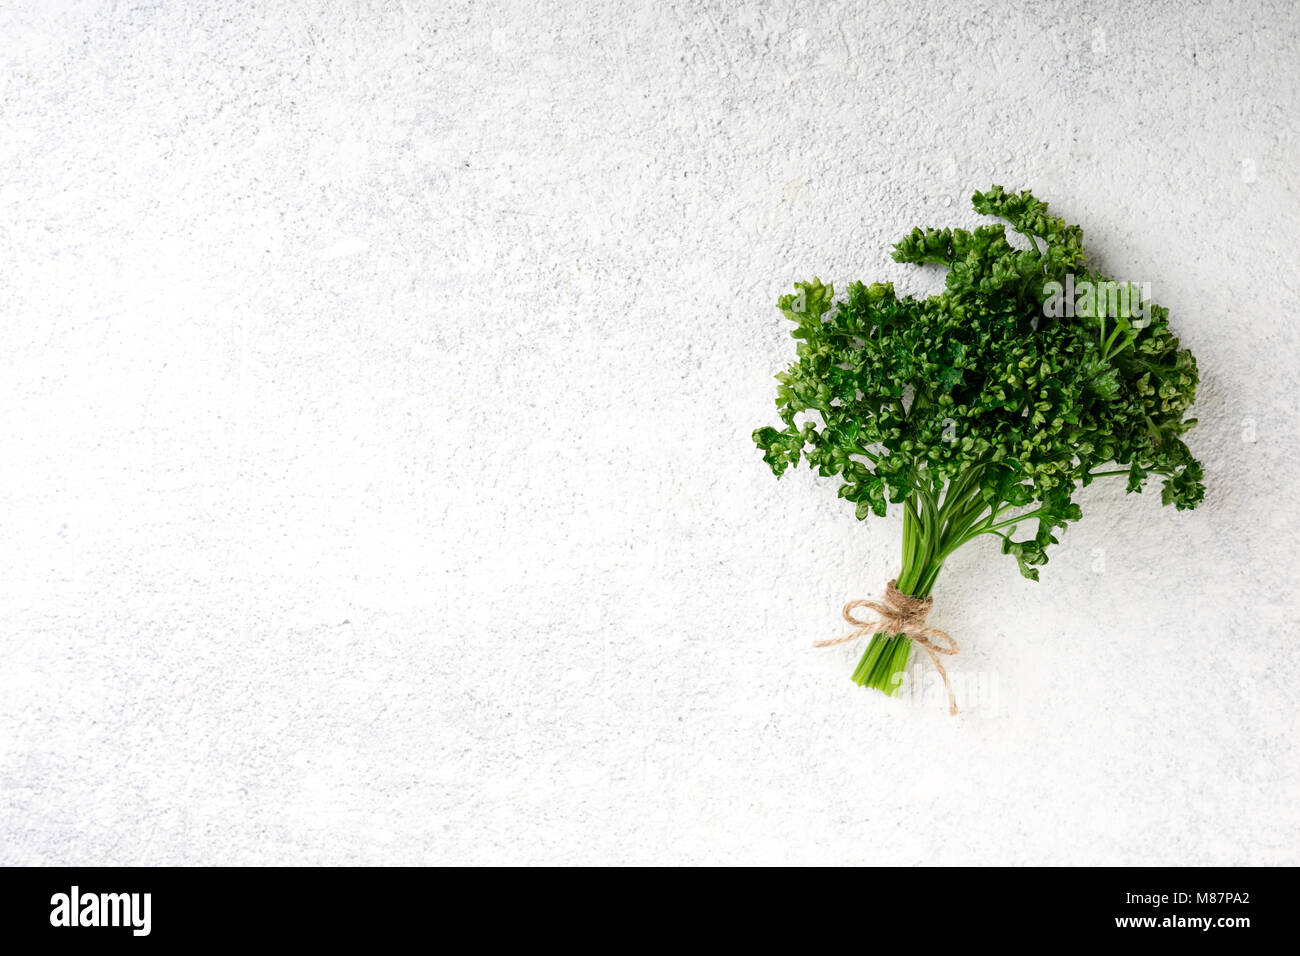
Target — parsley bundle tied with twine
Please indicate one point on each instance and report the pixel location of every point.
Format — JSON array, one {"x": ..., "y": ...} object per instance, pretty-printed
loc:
[
  {"x": 902, "y": 615},
  {"x": 979, "y": 411}
]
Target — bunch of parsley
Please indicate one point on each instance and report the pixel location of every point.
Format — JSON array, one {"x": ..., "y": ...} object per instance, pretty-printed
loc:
[{"x": 983, "y": 408}]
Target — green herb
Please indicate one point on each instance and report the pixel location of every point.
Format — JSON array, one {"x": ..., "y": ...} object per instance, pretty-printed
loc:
[{"x": 980, "y": 410}]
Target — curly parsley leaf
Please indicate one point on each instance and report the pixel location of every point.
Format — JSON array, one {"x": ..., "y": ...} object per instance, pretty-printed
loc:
[{"x": 984, "y": 407}]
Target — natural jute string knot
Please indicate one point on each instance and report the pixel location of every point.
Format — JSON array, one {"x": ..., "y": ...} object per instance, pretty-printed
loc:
[{"x": 904, "y": 615}]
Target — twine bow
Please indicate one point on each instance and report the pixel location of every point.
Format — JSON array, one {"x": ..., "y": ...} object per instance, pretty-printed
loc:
[{"x": 903, "y": 615}]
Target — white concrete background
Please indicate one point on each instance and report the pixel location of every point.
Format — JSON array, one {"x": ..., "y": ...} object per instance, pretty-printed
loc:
[{"x": 376, "y": 385}]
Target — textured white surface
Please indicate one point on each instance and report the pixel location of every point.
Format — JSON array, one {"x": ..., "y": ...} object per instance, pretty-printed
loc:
[{"x": 376, "y": 385}]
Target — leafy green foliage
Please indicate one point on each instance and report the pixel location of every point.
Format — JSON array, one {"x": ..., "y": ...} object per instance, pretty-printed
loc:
[{"x": 984, "y": 407}]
